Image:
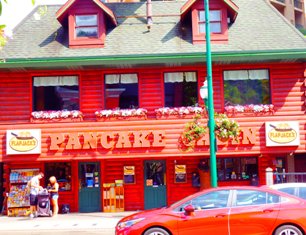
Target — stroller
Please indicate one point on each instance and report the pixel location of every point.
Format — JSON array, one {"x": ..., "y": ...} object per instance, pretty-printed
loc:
[{"x": 43, "y": 203}]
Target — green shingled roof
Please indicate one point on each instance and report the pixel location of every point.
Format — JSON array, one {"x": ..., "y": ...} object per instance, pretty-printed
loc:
[{"x": 259, "y": 33}]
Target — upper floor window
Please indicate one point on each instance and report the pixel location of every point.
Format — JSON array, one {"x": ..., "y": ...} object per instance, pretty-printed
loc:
[
  {"x": 56, "y": 93},
  {"x": 121, "y": 91},
  {"x": 245, "y": 87},
  {"x": 215, "y": 21},
  {"x": 181, "y": 89},
  {"x": 86, "y": 26}
]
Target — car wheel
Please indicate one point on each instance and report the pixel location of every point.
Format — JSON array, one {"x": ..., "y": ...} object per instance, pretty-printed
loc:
[
  {"x": 288, "y": 230},
  {"x": 156, "y": 231}
]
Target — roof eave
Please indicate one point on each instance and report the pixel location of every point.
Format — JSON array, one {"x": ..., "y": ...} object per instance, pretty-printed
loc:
[
  {"x": 61, "y": 12},
  {"x": 220, "y": 57}
]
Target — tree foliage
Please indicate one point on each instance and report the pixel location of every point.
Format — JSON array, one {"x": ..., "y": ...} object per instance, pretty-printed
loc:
[{"x": 3, "y": 37}]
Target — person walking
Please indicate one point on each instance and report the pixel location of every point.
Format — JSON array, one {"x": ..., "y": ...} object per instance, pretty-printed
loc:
[
  {"x": 54, "y": 194},
  {"x": 34, "y": 189}
]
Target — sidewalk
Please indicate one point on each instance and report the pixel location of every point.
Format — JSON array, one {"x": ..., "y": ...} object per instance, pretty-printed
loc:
[{"x": 69, "y": 222}]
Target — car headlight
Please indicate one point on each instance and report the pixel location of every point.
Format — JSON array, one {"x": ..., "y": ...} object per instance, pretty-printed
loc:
[{"x": 128, "y": 223}]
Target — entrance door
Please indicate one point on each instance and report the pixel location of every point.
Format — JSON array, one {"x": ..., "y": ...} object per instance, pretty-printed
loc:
[
  {"x": 89, "y": 187},
  {"x": 155, "y": 184}
]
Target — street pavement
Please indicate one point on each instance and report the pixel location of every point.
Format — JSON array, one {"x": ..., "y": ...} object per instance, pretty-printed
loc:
[{"x": 72, "y": 223}]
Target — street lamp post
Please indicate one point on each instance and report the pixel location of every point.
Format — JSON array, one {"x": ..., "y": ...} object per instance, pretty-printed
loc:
[{"x": 206, "y": 93}]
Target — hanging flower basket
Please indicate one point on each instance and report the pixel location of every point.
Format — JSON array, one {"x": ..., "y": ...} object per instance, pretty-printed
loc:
[
  {"x": 193, "y": 131},
  {"x": 225, "y": 128}
]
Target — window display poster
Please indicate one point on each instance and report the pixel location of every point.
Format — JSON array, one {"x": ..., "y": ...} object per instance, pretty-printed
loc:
[
  {"x": 149, "y": 182},
  {"x": 89, "y": 180},
  {"x": 129, "y": 174},
  {"x": 180, "y": 174}
]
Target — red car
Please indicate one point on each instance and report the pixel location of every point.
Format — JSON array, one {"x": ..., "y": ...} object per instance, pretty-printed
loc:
[{"x": 221, "y": 211}]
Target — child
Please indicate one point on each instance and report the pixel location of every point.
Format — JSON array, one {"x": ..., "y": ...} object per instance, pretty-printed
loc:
[{"x": 54, "y": 194}]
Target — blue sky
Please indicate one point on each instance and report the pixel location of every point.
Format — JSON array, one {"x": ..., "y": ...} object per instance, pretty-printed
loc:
[{"x": 15, "y": 10}]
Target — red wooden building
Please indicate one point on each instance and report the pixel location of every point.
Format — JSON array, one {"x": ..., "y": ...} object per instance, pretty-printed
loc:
[{"x": 109, "y": 72}]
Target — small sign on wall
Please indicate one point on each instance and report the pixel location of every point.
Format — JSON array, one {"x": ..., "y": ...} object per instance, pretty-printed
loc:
[
  {"x": 180, "y": 174},
  {"x": 23, "y": 142},
  {"x": 129, "y": 174},
  {"x": 282, "y": 133}
]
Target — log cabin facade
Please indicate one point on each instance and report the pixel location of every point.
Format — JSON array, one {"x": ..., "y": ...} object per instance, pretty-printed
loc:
[{"x": 91, "y": 57}]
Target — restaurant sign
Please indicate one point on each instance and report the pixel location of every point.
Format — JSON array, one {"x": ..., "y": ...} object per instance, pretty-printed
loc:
[
  {"x": 23, "y": 141},
  {"x": 282, "y": 133}
]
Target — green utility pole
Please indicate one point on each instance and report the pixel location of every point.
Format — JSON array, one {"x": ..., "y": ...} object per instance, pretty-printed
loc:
[{"x": 210, "y": 103}]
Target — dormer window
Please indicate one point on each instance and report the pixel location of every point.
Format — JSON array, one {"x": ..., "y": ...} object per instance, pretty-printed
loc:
[
  {"x": 86, "y": 30},
  {"x": 221, "y": 14},
  {"x": 218, "y": 25},
  {"x": 86, "y": 26},
  {"x": 215, "y": 21}
]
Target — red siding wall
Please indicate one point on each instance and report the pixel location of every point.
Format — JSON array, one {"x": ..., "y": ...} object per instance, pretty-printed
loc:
[
  {"x": 286, "y": 86},
  {"x": 15, "y": 97},
  {"x": 288, "y": 96},
  {"x": 288, "y": 89},
  {"x": 91, "y": 93},
  {"x": 151, "y": 91},
  {"x": 133, "y": 193},
  {"x": 177, "y": 191}
]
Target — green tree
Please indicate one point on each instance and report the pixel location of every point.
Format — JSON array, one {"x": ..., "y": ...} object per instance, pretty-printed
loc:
[
  {"x": 1, "y": 1},
  {"x": 3, "y": 37}
]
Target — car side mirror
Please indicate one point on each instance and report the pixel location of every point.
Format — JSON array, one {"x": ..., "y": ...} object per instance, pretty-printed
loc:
[{"x": 189, "y": 210}]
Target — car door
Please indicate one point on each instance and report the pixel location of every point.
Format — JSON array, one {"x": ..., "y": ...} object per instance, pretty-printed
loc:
[
  {"x": 210, "y": 215},
  {"x": 253, "y": 211}
]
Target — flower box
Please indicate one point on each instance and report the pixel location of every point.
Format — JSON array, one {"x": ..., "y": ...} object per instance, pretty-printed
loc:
[
  {"x": 250, "y": 109},
  {"x": 56, "y": 116},
  {"x": 121, "y": 114},
  {"x": 176, "y": 113},
  {"x": 33, "y": 120},
  {"x": 134, "y": 118}
]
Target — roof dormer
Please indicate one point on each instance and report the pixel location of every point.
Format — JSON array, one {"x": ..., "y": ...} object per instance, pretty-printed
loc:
[
  {"x": 86, "y": 21},
  {"x": 222, "y": 14}
]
